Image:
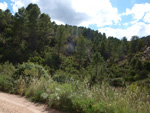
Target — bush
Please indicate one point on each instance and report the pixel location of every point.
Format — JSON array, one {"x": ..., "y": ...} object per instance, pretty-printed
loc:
[
  {"x": 7, "y": 84},
  {"x": 60, "y": 77},
  {"x": 36, "y": 59},
  {"x": 61, "y": 96},
  {"x": 37, "y": 90},
  {"x": 7, "y": 69},
  {"x": 143, "y": 74},
  {"x": 147, "y": 65},
  {"x": 117, "y": 82},
  {"x": 64, "y": 77},
  {"x": 88, "y": 105},
  {"x": 30, "y": 70}
]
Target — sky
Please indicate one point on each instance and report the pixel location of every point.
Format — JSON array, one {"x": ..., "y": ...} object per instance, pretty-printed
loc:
[{"x": 117, "y": 18}]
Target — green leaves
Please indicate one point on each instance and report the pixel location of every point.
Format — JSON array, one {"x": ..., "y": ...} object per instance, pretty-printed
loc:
[
  {"x": 60, "y": 39},
  {"x": 81, "y": 51},
  {"x": 97, "y": 58}
]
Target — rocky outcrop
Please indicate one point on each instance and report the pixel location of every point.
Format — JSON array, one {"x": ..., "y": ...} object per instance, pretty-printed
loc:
[
  {"x": 146, "y": 54},
  {"x": 70, "y": 45}
]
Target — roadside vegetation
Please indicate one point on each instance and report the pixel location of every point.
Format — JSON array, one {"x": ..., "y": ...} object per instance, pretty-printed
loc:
[{"x": 70, "y": 95}]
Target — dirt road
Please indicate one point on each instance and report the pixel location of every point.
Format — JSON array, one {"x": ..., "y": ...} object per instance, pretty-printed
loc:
[{"x": 15, "y": 104}]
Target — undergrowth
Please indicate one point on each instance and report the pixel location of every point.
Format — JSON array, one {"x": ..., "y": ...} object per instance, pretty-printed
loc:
[{"x": 72, "y": 95}]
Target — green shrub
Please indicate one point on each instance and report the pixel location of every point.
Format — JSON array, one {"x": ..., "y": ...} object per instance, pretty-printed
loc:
[
  {"x": 60, "y": 76},
  {"x": 25, "y": 74},
  {"x": 147, "y": 65},
  {"x": 36, "y": 59},
  {"x": 64, "y": 77},
  {"x": 20, "y": 86},
  {"x": 117, "y": 82},
  {"x": 52, "y": 60},
  {"x": 37, "y": 90},
  {"x": 61, "y": 96},
  {"x": 7, "y": 69},
  {"x": 30, "y": 70},
  {"x": 88, "y": 105},
  {"x": 7, "y": 84}
]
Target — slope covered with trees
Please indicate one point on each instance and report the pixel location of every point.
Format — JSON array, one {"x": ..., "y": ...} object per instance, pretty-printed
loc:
[{"x": 52, "y": 63}]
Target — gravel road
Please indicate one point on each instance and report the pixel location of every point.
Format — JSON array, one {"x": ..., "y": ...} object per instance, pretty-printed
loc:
[{"x": 16, "y": 104}]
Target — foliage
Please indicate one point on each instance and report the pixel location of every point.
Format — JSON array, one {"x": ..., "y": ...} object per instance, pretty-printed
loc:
[
  {"x": 60, "y": 39},
  {"x": 75, "y": 96},
  {"x": 81, "y": 51},
  {"x": 30, "y": 70},
  {"x": 7, "y": 69},
  {"x": 7, "y": 84},
  {"x": 117, "y": 82},
  {"x": 101, "y": 74}
]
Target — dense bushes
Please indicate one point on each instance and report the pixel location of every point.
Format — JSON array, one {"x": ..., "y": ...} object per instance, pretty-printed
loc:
[
  {"x": 30, "y": 70},
  {"x": 7, "y": 83},
  {"x": 117, "y": 82},
  {"x": 72, "y": 95}
]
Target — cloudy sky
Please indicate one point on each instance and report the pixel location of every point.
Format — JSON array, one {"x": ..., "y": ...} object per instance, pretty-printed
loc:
[{"x": 116, "y": 18}]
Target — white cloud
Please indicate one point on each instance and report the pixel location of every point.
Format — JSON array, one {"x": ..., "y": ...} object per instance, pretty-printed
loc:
[
  {"x": 59, "y": 22},
  {"x": 20, "y": 3},
  {"x": 3, "y": 6},
  {"x": 138, "y": 12},
  {"x": 126, "y": 24},
  {"x": 100, "y": 12},
  {"x": 76, "y": 12},
  {"x": 147, "y": 17},
  {"x": 128, "y": 12},
  {"x": 60, "y": 11},
  {"x": 17, "y": 4},
  {"x": 140, "y": 29}
]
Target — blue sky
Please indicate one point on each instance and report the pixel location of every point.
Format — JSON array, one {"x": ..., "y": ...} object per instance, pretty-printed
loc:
[{"x": 116, "y": 18}]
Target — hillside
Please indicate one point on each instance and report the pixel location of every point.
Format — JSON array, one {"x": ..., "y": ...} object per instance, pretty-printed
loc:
[{"x": 70, "y": 68}]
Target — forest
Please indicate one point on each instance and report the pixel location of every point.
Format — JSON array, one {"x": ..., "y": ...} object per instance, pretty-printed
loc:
[{"x": 72, "y": 69}]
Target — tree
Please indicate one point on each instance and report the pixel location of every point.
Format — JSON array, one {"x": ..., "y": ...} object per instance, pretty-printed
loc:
[
  {"x": 125, "y": 45},
  {"x": 45, "y": 31},
  {"x": 21, "y": 25},
  {"x": 140, "y": 45},
  {"x": 104, "y": 37},
  {"x": 33, "y": 25},
  {"x": 97, "y": 60},
  {"x": 96, "y": 42},
  {"x": 97, "y": 68},
  {"x": 133, "y": 44},
  {"x": 60, "y": 39},
  {"x": 81, "y": 50},
  {"x": 6, "y": 24},
  {"x": 103, "y": 50}
]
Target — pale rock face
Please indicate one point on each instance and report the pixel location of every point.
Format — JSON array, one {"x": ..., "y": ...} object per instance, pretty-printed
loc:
[
  {"x": 70, "y": 45},
  {"x": 70, "y": 48},
  {"x": 146, "y": 55}
]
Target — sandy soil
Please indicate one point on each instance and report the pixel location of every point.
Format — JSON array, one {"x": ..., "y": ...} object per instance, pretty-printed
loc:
[{"x": 16, "y": 104}]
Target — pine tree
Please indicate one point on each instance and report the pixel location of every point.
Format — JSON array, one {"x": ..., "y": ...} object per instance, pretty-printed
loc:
[
  {"x": 97, "y": 60},
  {"x": 33, "y": 25},
  {"x": 21, "y": 25},
  {"x": 45, "y": 31},
  {"x": 81, "y": 51},
  {"x": 60, "y": 39}
]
